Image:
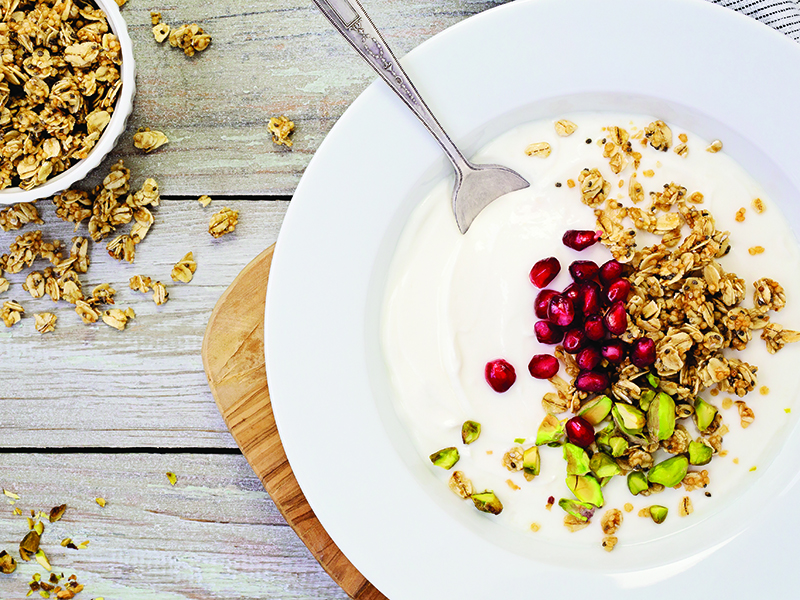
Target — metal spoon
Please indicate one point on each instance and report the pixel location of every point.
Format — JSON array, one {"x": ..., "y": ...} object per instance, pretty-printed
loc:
[{"x": 476, "y": 186}]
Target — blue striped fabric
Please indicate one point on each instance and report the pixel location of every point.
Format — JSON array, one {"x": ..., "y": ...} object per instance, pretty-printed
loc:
[{"x": 782, "y": 15}]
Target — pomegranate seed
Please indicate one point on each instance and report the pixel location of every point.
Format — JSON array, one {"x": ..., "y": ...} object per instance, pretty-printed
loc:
[
  {"x": 580, "y": 239},
  {"x": 573, "y": 292},
  {"x": 613, "y": 351},
  {"x": 618, "y": 290},
  {"x": 610, "y": 271},
  {"x": 579, "y": 432},
  {"x": 592, "y": 381},
  {"x": 547, "y": 333},
  {"x": 542, "y": 302},
  {"x": 589, "y": 300},
  {"x": 583, "y": 270},
  {"x": 543, "y": 366},
  {"x": 575, "y": 341},
  {"x": 616, "y": 319},
  {"x": 500, "y": 375},
  {"x": 594, "y": 328},
  {"x": 588, "y": 358},
  {"x": 560, "y": 310},
  {"x": 643, "y": 353},
  {"x": 544, "y": 271}
]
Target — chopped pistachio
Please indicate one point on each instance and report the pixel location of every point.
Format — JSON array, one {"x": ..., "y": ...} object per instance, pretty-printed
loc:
[
  {"x": 700, "y": 453},
  {"x": 577, "y": 459},
  {"x": 646, "y": 398},
  {"x": 637, "y": 482},
  {"x": 652, "y": 380},
  {"x": 100, "y": 501},
  {"x": 628, "y": 418},
  {"x": 658, "y": 513},
  {"x": 661, "y": 417},
  {"x": 445, "y": 458},
  {"x": 604, "y": 466},
  {"x": 470, "y": 431},
  {"x": 551, "y": 430},
  {"x": 10, "y": 494},
  {"x": 39, "y": 527},
  {"x": 704, "y": 414},
  {"x": 596, "y": 409},
  {"x": 173, "y": 479},
  {"x": 486, "y": 501},
  {"x": 41, "y": 558},
  {"x": 29, "y": 545},
  {"x": 618, "y": 446},
  {"x": 586, "y": 489},
  {"x": 670, "y": 472},
  {"x": 580, "y": 510},
  {"x": 7, "y": 563},
  {"x": 531, "y": 462},
  {"x": 57, "y": 512}
]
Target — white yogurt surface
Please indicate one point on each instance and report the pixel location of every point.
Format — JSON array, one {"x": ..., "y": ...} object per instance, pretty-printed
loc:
[{"x": 455, "y": 302}]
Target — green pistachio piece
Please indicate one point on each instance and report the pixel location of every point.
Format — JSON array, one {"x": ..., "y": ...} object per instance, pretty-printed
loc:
[
  {"x": 445, "y": 458},
  {"x": 670, "y": 472},
  {"x": 618, "y": 446},
  {"x": 577, "y": 459},
  {"x": 596, "y": 409},
  {"x": 586, "y": 489},
  {"x": 628, "y": 418},
  {"x": 658, "y": 513},
  {"x": 487, "y": 502},
  {"x": 604, "y": 481},
  {"x": 531, "y": 463},
  {"x": 699, "y": 453},
  {"x": 652, "y": 380},
  {"x": 470, "y": 431},
  {"x": 602, "y": 436},
  {"x": 550, "y": 431},
  {"x": 7, "y": 563},
  {"x": 580, "y": 510},
  {"x": 637, "y": 482},
  {"x": 661, "y": 417},
  {"x": 646, "y": 398},
  {"x": 704, "y": 414},
  {"x": 604, "y": 466}
]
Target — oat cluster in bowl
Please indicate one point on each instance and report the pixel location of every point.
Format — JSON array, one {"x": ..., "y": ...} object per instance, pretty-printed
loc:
[{"x": 59, "y": 80}]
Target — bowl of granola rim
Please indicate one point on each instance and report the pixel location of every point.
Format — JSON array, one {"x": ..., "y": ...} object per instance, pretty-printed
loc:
[{"x": 105, "y": 114}]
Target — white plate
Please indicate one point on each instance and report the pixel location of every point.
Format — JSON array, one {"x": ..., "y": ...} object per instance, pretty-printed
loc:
[{"x": 708, "y": 70}]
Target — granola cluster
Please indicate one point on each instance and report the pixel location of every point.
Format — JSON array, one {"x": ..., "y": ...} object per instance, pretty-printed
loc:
[
  {"x": 59, "y": 80},
  {"x": 190, "y": 37}
]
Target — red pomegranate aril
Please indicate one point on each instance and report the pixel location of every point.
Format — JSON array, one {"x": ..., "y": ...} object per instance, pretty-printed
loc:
[
  {"x": 594, "y": 328},
  {"x": 618, "y": 290},
  {"x": 561, "y": 311},
  {"x": 613, "y": 351},
  {"x": 610, "y": 271},
  {"x": 583, "y": 270},
  {"x": 543, "y": 366},
  {"x": 544, "y": 271},
  {"x": 542, "y": 302},
  {"x": 579, "y": 432},
  {"x": 616, "y": 319},
  {"x": 580, "y": 239},
  {"x": 575, "y": 341},
  {"x": 592, "y": 381},
  {"x": 547, "y": 333},
  {"x": 589, "y": 300},
  {"x": 573, "y": 292},
  {"x": 588, "y": 358},
  {"x": 643, "y": 352},
  {"x": 500, "y": 375}
]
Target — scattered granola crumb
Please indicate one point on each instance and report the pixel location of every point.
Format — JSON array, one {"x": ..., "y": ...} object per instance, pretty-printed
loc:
[
  {"x": 565, "y": 128},
  {"x": 11, "y": 313},
  {"x": 184, "y": 270},
  {"x": 573, "y": 524},
  {"x": 682, "y": 150},
  {"x": 736, "y": 461},
  {"x": 659, "y": 135},
  {"x": 611, "y": 521},
  {"x": 490, "y": 452},
  {"x": 535, "y": 527},
  {"x": 461, "y": 485},
  {"x": 715, "y": 147},
  {"x": 155, "y": 17},
  {"x": 512, "y": 485},
  {"x": 628, "y": 507},
  {"x": 539, "y": 149},
  {"x": 148, "y": 140},
  {"x": 723, "y": 453},
  {"x": 223, "y": 222},
  {"x": 685, "y": 508},
  {"x": 648, "y": 173},
  {"x": 696, "y": 197},
  {"x": 45, "y": 322},
  {"x": 746, "y": 414},
  {"x": 18, "y": 215},
  {"x": 756, "y": 250},
  {"x": 763, "y": 390},
  {"x": 683, "y": 137},
  {"x": 753, "y": 468},
  {"x": 281, "y": 128},
  {"x": 140, "y": 283},
  {"x": 714, "y": 392},
  {"x": 204, "y": 200},
  {"x": 740, "y": 215},
  {"x": 727, "y": 403},
  {"x": 609, "y": 542},
  {"x": 117, "y": 318},
  {"x": 787, "y": 410},
  {"x": 4, "y": 284},
  {"x": 160, "y": 293},
  {"x": 644, "y": 512},
  {"x": 570, "y": 183},
  {"x": 189, "y": 38},
  {"x": 161, "y": 32},
  {"x": 758, "y": 205}
]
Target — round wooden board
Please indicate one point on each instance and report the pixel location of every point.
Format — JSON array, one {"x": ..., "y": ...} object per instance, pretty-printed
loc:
[{"x": 233, "y": 358}]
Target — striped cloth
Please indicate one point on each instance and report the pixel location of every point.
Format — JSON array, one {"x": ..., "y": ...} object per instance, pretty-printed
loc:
[{"x": 782, "y": 15}]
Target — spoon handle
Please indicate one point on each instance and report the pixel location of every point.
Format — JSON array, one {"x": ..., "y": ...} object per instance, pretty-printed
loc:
[{"x": 352, "y": 21}]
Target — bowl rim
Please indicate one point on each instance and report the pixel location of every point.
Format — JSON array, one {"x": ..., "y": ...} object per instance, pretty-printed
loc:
[{"x": 110, "y": 136}]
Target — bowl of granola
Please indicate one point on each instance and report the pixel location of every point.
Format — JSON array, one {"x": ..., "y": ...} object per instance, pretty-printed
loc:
[
  {"x": 489, "y": 439},
  {"x": 66, "y": 96}
]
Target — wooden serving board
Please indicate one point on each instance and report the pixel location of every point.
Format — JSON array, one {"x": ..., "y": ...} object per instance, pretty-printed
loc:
[{"x": 233, "y": 358}]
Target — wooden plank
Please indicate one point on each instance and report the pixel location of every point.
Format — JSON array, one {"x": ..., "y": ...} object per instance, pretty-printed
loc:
[
  {"x": 214, "y": 535},
  {"x": 279, "y": 57},
  {"x": 91, "y": 385}
]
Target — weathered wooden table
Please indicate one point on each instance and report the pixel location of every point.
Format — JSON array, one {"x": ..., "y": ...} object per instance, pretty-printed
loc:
[{"x": 88, "y": 411}]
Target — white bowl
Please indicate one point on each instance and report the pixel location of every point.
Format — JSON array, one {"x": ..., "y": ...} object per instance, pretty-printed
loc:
[{"x": 112, "y": 132}]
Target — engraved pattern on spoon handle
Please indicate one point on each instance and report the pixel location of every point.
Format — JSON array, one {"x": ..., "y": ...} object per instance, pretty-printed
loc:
[{"x": 352, "y": 21}]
